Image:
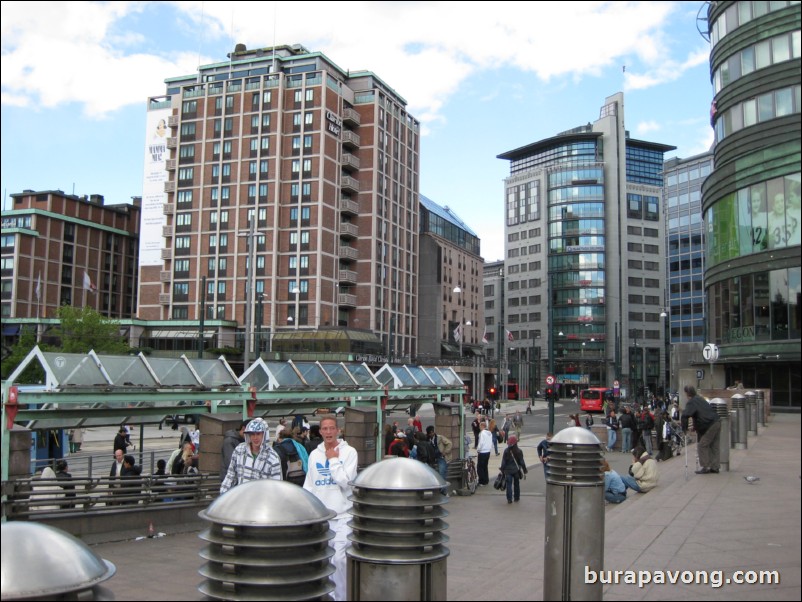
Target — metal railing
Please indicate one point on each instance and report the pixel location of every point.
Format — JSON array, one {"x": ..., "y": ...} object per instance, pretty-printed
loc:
[{"x": 34, "y": 497}]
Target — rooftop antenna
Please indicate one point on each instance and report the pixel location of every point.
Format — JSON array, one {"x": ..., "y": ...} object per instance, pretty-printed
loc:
[{"x": 200, "y": 40}]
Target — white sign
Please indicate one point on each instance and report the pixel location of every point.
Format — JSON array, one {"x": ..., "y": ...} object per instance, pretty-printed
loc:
[
  {"x": 710, "y": 352},
  {"x": 550, "y": 380},
  {"x": 152, "y": 218}
]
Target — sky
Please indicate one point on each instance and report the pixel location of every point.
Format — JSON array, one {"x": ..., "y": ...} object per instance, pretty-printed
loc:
[{"x": 482, "y": 79}]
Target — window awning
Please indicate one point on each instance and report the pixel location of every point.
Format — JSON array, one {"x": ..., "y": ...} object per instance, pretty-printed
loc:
[
  {"x": 178, "y": 334},
  {"x": 449, "y": 348},
  {"x": 9, "y": 331}
]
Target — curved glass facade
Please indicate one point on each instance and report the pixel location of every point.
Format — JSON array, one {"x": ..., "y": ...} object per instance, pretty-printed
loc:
[{"x": 751, "y": 201}]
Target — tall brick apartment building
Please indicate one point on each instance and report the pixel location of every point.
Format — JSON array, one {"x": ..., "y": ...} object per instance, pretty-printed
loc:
[{"x": 280, "y": 158}]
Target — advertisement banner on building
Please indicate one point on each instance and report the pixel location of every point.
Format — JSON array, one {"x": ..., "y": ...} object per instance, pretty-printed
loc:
[{"x": 153, "y": 219}]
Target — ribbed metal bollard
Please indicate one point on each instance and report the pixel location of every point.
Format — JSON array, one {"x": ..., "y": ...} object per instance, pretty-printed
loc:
[
  {"x": 720, "y": 407},
  {"x": 762, "y": 410},
  {"x": 574, "y": 516},
  {"x": 40, "y": 562},
  {"x": 751, "y": 412},
  {"x": 739, "y": 403},
  {"x": 268, "y": 541},
  {"x": 397, "y": 545},
  {"x": 733, "y": 427}
]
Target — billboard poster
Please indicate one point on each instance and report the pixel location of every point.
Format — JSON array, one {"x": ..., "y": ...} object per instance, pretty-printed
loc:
[{"x": 153, "y": 219}]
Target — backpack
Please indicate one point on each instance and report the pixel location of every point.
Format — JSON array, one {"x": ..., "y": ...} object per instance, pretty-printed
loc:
[{"x": 292, "y": 467}]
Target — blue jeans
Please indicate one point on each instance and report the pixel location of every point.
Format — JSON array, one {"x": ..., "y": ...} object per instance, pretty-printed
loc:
[
  {"x": 626, "y": 439},
  {"x": 442, "y": 468},
  {"x": 495, "y": 443},
  {"x": 611, "y": 437},
  {"x": 513, "y": 481},
  {"x": 630, "y": 483},
  {"x": 615, "y": 497}
]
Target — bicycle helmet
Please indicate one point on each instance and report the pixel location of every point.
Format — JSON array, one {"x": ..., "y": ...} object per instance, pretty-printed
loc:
[{"x": 257, "y": 425}]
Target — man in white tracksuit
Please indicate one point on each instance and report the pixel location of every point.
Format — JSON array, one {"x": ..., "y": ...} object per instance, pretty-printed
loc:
[{"x": 332, "y": 466}]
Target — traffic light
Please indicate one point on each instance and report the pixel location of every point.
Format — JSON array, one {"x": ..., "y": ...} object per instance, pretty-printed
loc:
[
  {"x": 492, "y": 393},
  {"x": 549, "y": 393}
]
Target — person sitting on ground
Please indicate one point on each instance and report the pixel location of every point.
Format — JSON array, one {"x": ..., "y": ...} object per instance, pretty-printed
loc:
[
  {"x": 643, "y": 472},
  {"x": 614, "y": 489}
]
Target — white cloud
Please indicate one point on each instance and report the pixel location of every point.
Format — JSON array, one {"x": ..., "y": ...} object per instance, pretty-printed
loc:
[
  {"x": 425, "y": 50},
  {"x": 667, "y": 71},
  {"x": 644, "y": 127}
]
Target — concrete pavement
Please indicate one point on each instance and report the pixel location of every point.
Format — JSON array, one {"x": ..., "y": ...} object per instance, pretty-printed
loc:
[{"x": 699, "y": 523}]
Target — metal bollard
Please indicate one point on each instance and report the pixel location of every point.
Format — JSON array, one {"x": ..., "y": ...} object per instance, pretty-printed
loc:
[
  {"x": 267, "y": 538},
  {"x": 40, "y": 562},
  {"x": 762, "y": 408},
  {"x": 574, "y": 516},
  {"x": 397, "y": 550},
  {"x": 720, "y": 406},
  {"x": 751, "y": 411},
  {"x": 739, "y": 403},
  {"x": 733, "y": 427}
]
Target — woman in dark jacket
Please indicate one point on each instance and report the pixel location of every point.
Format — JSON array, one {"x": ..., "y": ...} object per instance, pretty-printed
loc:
[{"x": 513, "y": 466}]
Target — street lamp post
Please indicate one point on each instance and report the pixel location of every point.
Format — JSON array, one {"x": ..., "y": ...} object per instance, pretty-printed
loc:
[
  {"x": 551, "y": 348},
  {"x": 297, "y": 292},
  {"x": 458, "y": 291}
]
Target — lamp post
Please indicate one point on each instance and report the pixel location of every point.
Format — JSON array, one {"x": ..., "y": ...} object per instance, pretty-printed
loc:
[
  {"x": 501, "y": 337},
  {"x": 297, "y": 292},
  {"x": 249, "y": 287},
  {"x": 202, "y": 317},
  {"x": 551, "y": 347},
  {"x": 458, "y": 291}
]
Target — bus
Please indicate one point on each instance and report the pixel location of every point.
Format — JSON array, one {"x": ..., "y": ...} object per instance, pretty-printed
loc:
[
  {"x": 591, "y": 400},
  {"x": 512, "y": 390}
]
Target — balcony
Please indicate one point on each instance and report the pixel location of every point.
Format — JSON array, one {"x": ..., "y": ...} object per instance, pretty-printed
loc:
[
  {"x": 164, "y": 298},
  {"x": 172, "y": 121},
  {"x": 349, "y": 206},
  {"x": 169, "y": 209},
  {"x": 172, "y": 142},
  {"x": 350, "y": 161},
  {"x": 167, "y": 254},
  {"x": 349, "y": 229},
  {"x": 171, "y": 164},
  {"x": 351, "y": 116},
  {"x": 348, "y": 276},
  {"x": 169, "y": 186},
  {"x": 347, "y": 252},
  {"x": 164, "y": 276},
  {"x": 346, "y": 300},
  {"x": 350, "y": 139},
  {"x": 349, "y": 183}
]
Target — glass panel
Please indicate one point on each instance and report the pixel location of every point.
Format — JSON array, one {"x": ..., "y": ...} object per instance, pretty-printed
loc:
[
  {"x": 312, "y": 374},
  {"x": 338, "y": 374},
  {"x": 127, "y": 371},
  {"x": 75, "y": 369},
  {"x": 284, "y": 375},
  {"x": 173, "y": 372},
  {"x": 362, "y": 375}
]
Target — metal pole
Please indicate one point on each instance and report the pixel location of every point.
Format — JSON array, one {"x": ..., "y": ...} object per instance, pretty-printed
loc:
[
  {"x": 551, "y": 348},
  {"x": 246, "y": 356},
  {"x": 259, "y": 320},
  {"x": 202, "y": 317}
]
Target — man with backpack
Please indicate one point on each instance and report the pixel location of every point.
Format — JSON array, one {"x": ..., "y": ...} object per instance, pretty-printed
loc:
[{"x": 294, "y": 458}]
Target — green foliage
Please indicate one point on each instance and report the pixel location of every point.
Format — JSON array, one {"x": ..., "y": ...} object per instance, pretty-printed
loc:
[
  {"x": 84, "y": 329},
  {"x": 34, "y": 373},
  {"x": 225, "y": 351}
]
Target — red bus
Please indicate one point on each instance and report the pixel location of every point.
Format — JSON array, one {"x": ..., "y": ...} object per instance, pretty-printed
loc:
[
  {"x": 591, "y": 400},
  {"x": 512, "y": 390}
]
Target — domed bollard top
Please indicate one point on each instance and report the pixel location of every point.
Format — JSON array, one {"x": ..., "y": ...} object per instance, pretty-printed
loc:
[
  {"x": 397, "y": 533},
  {"x": 575, "y": 456},
  {"x": 43, "y": 562},
  {"x": 268, "y": 541}
]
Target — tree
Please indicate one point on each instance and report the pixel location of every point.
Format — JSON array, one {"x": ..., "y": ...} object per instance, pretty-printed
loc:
[
  {"x": 34, "y": 373},
  {"x": 84, "y": 329}
]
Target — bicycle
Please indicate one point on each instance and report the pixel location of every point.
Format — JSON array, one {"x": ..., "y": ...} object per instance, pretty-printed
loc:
[{"x": 470, "y": 478}]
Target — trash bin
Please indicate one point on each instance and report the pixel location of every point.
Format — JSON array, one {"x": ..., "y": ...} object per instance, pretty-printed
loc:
[
  {"x": 40, "y": 562},
  {"x": 397, "y": 544},
  {"x": 720, "y": 407},
  {"x": 267, "y": 538},
  {"x": 574, "y": 516}
]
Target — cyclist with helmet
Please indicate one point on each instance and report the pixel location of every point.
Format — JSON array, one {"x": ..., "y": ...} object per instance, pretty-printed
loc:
[{"x": 254, "y": 459}]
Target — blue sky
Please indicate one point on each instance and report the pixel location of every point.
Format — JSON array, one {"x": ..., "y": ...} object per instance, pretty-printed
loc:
[{"x": 76, "y": 75}]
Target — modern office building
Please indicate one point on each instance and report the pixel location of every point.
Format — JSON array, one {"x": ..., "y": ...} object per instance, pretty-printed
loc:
[
  {"x": 584, "y": 267},
  {"x": 61, "y": 249},
  {"x": 279, "y": 168},
  {"x": 751, "y": 201},
  {"x": 685, "y": 260},
  {"x": 451, "y": 321}
]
